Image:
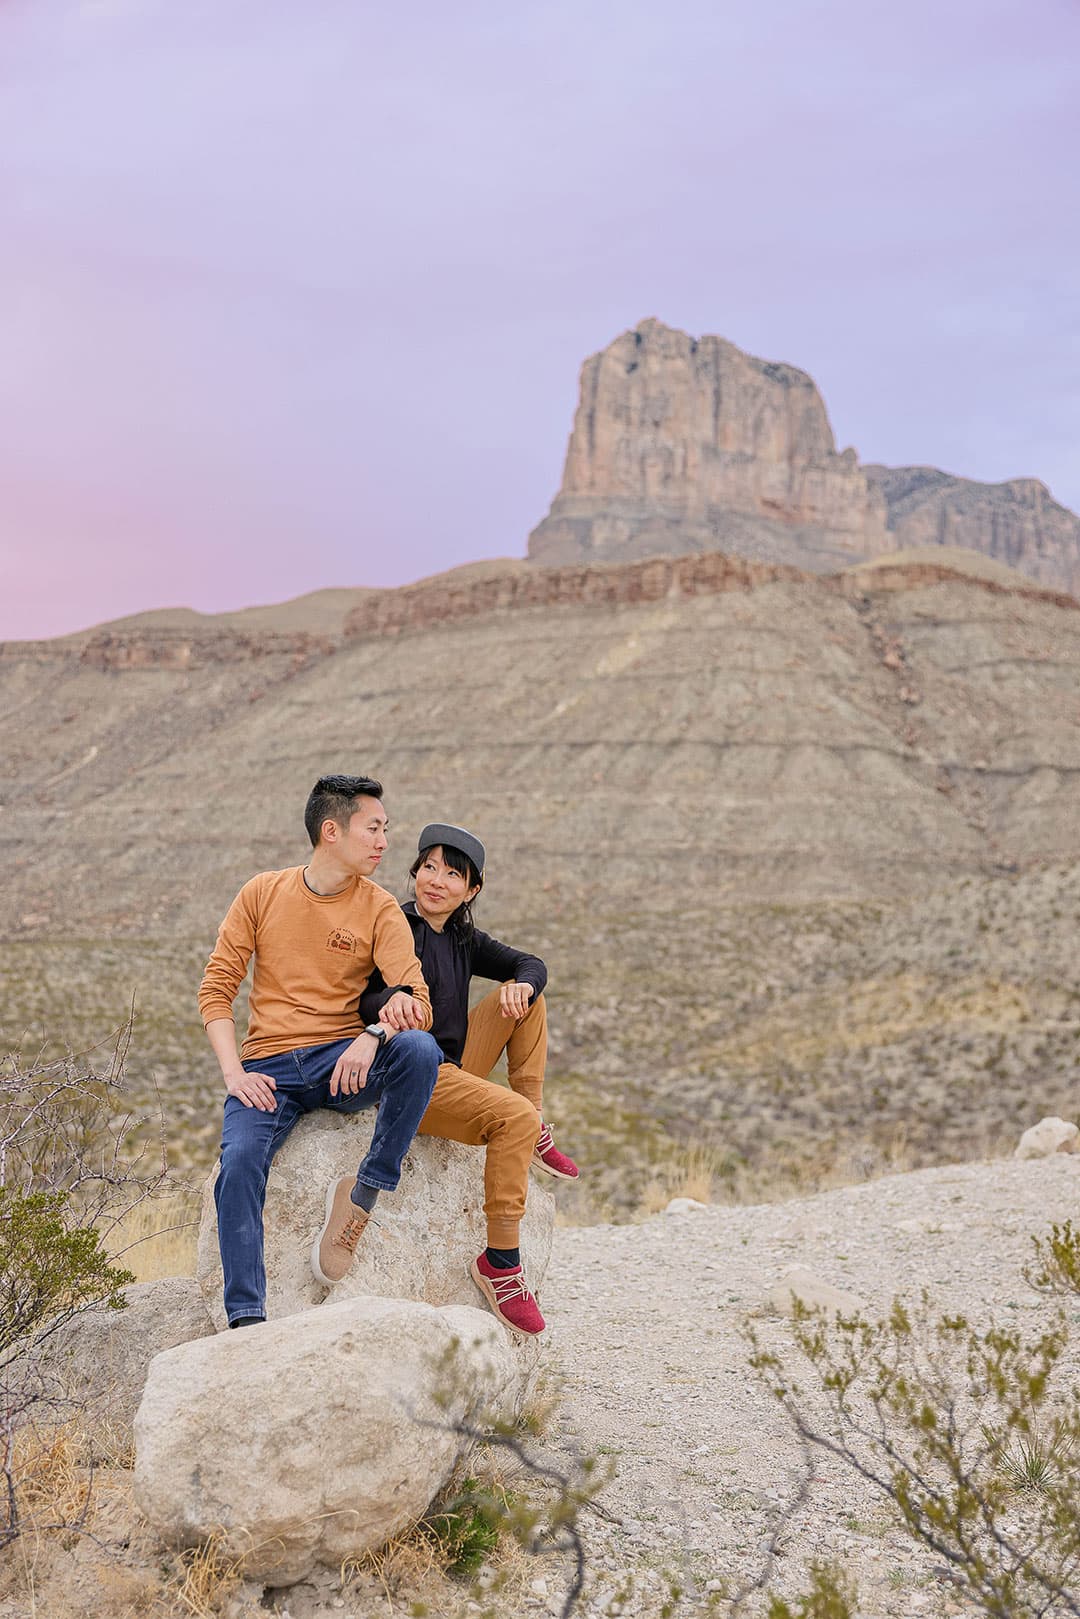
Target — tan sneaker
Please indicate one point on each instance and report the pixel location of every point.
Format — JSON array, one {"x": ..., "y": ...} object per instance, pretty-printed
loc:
[{"x": 333, "y": 1249}]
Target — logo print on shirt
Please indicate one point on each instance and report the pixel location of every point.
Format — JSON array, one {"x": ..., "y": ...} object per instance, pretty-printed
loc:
[{"x": 341, "y": 939}]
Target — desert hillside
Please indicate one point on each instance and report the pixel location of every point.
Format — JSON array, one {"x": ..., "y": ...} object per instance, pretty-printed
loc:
[{"x": 801, "y": 850}]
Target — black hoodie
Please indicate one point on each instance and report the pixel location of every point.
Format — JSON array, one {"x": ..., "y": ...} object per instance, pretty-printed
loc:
[{"x": 448, "y": 963}]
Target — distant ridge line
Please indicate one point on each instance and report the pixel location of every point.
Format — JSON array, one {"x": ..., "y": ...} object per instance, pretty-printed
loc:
[{"x": 608, "y": 584}]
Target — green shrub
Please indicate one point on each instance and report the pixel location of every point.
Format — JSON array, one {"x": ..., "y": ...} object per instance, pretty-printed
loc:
[
  {"x": 467, "y": 1531},
  {"x": 1057, "y": 1261},
  {"x": 50, "y": 1270}
]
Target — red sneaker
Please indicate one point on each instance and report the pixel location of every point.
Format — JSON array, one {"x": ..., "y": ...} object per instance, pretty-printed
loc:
[
  {"x": 546, "y": 1156},
  {"x": 508, "y": 1296}
]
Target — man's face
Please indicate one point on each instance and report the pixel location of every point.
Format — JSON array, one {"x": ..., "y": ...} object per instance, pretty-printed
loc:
[{"x": 361, "y": 845}]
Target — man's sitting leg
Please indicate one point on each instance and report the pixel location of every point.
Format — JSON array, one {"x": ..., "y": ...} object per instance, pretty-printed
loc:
[
  {"x": 472, "y": 1110},
  {"x": 399, "y": 1082},
  {"x": 249, "y": 1140}
]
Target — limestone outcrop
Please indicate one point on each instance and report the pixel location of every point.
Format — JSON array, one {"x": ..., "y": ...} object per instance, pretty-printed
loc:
[
  {"x": 515, "y": 586},
  {"x": 176, "y": 650},
  {"x": 685, "y": 444},
  {"x": 1018, "y": 522},
  {"x": 316, "y": 1437},
  {"x": 419, "y": 1245}
]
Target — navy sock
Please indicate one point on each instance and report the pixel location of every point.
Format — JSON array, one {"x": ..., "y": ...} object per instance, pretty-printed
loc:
[
  {"x": 503, "y": 1258},
  {"x": 365, "y": 1197}
]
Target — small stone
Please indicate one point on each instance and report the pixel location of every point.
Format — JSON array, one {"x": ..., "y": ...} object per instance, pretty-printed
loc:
[
  {"x": 539, "y": 1588},
  {"x": 684, "y": 1205},
  {"x": 1047, "y": 1137}
]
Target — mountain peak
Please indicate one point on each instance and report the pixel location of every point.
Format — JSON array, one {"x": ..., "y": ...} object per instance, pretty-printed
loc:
[{"x": 688, "y": 444}]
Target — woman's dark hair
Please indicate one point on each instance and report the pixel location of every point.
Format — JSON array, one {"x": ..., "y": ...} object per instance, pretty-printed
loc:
[{"x": 462, "y": 919}]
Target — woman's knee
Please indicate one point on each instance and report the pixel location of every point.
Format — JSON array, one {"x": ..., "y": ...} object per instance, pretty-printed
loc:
[{"x": 522, "y": 1119}]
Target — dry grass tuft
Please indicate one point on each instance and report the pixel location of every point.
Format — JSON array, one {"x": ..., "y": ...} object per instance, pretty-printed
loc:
[
  {"x": 55, "y": 1478},
  {"x": 408, "y": 1561},
  {"x": 209, "y": 1577},
  {"x": 159, "y": 1237},
  {"x": 539, "y": 1407},
  {"x": 694, "y": 1173}
]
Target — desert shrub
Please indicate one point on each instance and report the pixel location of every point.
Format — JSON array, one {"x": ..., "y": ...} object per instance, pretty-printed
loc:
[
  {"x": 831, "y": 1595},
  {"x": 68, "y": 1179},
  {"x": 51, "y": 1268},
  {"x": 971, "y": 1434},
  {"x": 1056, "y": 1267},
  {"x": 467, "y": 1528}
]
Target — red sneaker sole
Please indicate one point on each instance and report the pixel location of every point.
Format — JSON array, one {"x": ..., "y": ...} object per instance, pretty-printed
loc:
[{"x": 556, "y": 1174}]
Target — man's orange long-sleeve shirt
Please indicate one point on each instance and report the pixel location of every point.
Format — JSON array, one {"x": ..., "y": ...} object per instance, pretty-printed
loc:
[{"x": 314, "y": 954}]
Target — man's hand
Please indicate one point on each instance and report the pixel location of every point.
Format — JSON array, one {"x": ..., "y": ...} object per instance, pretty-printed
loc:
[
  {"x": 402, "y": 1011},
  {"x": 351, "y": 1069},
  {"x": 514, "y": 999},
  {"x": 254, "y": 1090}
]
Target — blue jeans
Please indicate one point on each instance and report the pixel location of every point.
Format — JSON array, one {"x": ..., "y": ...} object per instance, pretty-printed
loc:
[{"x": 400, "y": 1081}]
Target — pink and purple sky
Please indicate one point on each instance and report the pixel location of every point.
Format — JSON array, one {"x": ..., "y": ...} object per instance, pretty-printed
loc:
[{"x": 294, "y": 293}]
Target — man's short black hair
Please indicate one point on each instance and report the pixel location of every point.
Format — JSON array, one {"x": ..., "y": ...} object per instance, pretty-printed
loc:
[{"x": 333, "y": 798}]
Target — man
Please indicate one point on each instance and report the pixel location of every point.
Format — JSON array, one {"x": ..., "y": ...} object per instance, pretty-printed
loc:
[{"x": 317, "y": 932}]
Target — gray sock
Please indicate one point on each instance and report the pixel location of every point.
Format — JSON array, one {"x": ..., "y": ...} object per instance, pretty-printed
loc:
[{"x": 365, "y": 1197}]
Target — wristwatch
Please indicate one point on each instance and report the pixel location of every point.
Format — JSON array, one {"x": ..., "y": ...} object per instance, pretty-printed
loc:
[{"x": 377, "y": 1030}]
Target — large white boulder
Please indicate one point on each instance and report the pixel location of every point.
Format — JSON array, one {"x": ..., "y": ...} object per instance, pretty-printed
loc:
[
  {"x": 1047, "y": 1137},
  {"x": 315, "y": 1437},
  {"x": 428, "y": 1231}
]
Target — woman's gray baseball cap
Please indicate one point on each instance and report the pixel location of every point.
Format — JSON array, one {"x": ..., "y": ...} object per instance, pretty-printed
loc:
[{"x": 454, "y": 837}]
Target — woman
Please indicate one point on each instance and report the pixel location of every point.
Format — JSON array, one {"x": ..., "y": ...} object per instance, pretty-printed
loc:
[{"x": 448, "y": 873}]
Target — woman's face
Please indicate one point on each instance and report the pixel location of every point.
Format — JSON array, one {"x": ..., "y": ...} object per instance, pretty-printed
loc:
[{"x": 440, "y": 889}]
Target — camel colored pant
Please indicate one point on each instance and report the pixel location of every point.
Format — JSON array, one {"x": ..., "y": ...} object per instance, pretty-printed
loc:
[{"x": 467, "y": 1106}]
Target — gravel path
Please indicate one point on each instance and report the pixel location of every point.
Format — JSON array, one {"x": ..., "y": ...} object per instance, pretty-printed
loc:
[{"x": 648, "y": 1325}]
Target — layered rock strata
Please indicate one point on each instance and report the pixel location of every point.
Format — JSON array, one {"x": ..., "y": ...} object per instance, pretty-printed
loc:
[{"x": 517, "y": 586}]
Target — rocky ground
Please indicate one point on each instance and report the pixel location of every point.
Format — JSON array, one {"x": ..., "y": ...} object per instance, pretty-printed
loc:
[{"x": 649, "y": 1355}]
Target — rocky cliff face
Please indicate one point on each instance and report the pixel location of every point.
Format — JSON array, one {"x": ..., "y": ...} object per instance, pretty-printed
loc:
[
  {"x": 682, "y": 444},
  {"x": 1019, "y": 522}
]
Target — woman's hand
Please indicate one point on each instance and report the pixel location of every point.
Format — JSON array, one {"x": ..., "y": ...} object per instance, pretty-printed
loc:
[
  {"x": 402, "y": 1011},
  {"x": 514, "y": 998}
]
